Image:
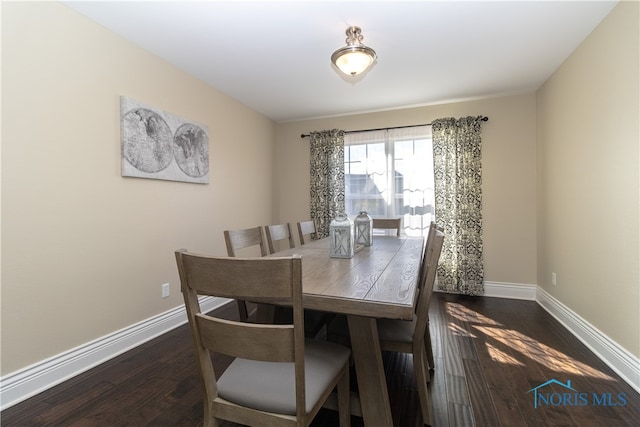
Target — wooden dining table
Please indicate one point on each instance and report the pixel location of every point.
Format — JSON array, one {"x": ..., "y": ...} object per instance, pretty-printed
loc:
[{"x": 380, "y": 281}]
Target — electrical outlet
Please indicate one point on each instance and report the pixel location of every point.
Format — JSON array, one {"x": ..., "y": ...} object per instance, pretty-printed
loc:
[
  {"x": 165, "y": 290},
  {"x": 554, "y": 279}
]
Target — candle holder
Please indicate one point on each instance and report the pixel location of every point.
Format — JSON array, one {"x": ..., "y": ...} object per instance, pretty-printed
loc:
[
  {"x": 341, "y": 233},
  {"x": 364, "y": 229}
]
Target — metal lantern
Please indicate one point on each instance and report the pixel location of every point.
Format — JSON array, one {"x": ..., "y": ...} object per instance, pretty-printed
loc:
[
  {"x": 364, "y": 229},
  {"x": 341, "y": 234}
]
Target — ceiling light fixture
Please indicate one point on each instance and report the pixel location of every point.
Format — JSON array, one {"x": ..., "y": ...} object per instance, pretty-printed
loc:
[{"x": 355, "y": 57}]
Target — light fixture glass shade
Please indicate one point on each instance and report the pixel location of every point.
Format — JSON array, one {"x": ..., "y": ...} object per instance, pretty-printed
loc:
[{"x": 354, "y": 58}]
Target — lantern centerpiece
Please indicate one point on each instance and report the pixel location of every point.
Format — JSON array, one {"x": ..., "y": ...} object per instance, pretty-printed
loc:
[
  {"x": 341, "y": 234},
  {"x": 364, "y": 229}
]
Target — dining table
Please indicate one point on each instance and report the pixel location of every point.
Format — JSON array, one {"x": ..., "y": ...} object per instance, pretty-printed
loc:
[{"x": 379, "y": 281}]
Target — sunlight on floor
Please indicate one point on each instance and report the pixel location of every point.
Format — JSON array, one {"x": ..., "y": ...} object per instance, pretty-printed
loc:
[
  {"x": 517, "y": 341},
  {"x": 500, "y": 356},
  {"x": 463, "y": 313},
  {"x": 457, "y": 330}
]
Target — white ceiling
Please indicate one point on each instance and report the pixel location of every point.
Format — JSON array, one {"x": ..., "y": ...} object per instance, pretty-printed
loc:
[{"x": 274, "y": 56}]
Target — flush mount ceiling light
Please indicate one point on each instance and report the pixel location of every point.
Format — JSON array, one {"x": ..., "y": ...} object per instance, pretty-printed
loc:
[{"x": 355, "y": 57}]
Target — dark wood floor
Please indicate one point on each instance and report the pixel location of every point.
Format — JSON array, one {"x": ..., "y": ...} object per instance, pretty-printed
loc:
[{"x": 489, "y": 353}]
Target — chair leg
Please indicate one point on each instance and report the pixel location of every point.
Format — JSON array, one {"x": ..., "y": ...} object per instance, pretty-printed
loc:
[
  {"x": 242, "y": 309},
  {"x": 209, "y": 419},
  {"x": 344, "y": 399},
  {"x": 429, "y": 348},
  {"x": 422, "y": 380}
]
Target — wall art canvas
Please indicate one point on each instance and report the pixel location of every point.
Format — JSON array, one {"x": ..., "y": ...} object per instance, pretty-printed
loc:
[{"x": 161, "y": 145}]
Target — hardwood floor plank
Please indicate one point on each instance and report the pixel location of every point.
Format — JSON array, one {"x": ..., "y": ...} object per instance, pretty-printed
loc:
[
  {"x": 461, "y": 415},
  {"x": 25, "y": 414},
  {"x": 452, "y": 356},
  {"x": 483, "y": 407},
  {"x": 439, "y": 395},
  {"x": 457, "y": 391},
  {"x": 76, "y": 402},
  {"x": 494, "y": 361}
]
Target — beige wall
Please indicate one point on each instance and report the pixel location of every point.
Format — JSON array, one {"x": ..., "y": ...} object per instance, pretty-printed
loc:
[
  {"x": 84, "y": 250},
  {"x": 588, "y": 181},
  {"x": 509, "y": 174}
]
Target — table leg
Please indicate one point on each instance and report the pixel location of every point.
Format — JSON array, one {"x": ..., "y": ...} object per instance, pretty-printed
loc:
[{"x": 372, "y": 384}]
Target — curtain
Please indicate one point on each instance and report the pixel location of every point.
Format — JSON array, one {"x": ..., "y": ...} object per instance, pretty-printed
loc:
[
  {"x": 457, "y": 165},
  {"x": 327, "y": 178}
]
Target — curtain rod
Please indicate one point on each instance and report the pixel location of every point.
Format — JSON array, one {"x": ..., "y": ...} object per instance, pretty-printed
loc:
[{"x": 484, "y": 119}]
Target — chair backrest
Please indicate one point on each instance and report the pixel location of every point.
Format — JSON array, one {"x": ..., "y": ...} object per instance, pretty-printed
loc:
[
  {"x": 241, "y": 239},
  {"x": 432, "y": 232},
  {"x": 428, "y": 275},
  {"x": 306, "y": 228},
  {"x": 278, "y": 232},
  {"x": 258, "y": 279},
  {"x": 388, "y": 224}
]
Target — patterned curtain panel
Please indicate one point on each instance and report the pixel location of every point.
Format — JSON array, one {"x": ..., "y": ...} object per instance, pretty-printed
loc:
[
  {"x": 457, "y": 166},
  {"x": 327, "y": 178}
]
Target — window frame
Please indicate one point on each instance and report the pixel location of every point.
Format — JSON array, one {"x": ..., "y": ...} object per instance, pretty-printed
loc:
[{"x": 389, "y": 195}]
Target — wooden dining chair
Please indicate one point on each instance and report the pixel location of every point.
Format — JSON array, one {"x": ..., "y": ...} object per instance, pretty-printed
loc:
[
  {"x": 408, "y": 336},
  {"x": 307, "y": 228},
  {"x": 315, "y": 321},
  {"x": 242, "y": 239},
  {"x": 276, "y": 233},
  {"x": 427, "y": 337},
  {"x": 430, "y": 234},
  {"x": 388, "y": 224},
  {"x": 277, "y": 377}
]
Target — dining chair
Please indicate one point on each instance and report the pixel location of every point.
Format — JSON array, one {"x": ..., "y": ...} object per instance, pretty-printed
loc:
[
  {"x": 430, "y": 234},
  {"x": 243, "y": 239},
  {"x": 307, "y": 228},
  {"x": 427, "y": 337},
  {"x": 314, "y": 321},
  {"x": 277, "y": 377},
  {"x": 388, "y": 224},
  {"x": 276, "y": 233},
  {"x": 405, "y": 336}
]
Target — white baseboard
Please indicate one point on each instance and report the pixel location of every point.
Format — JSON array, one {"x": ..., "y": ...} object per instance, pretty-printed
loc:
[
  {"x": 617, "y": 358},
  {"x": 20, "y": 385},
  {"x": 510, "y": 290}
]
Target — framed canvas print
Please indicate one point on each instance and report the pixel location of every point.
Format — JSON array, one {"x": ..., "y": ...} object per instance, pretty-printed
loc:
[{"x": 161, "y": 145}]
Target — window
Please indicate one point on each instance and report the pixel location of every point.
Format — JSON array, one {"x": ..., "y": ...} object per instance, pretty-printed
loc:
[{"x": 390, "y": 174}]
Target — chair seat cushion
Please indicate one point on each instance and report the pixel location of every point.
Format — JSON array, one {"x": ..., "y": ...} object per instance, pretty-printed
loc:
[
  {"x": 388, "y": 329},
  {"x": 270, "y": 386},
  {"x": 396, "y": 330}
]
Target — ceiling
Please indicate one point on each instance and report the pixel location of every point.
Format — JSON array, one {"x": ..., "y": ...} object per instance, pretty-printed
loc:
[{"x": 274, "y": 56}]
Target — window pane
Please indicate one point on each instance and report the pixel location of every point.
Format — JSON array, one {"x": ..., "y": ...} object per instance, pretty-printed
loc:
[
  {"x": 414, "y": 184},
  {"x": 365, "y": 179},
  {"x": 407, "y": 158}
]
